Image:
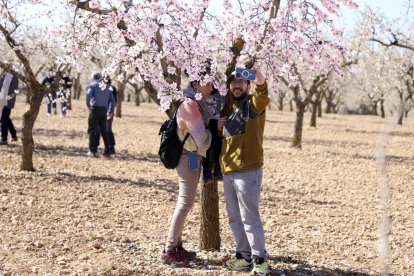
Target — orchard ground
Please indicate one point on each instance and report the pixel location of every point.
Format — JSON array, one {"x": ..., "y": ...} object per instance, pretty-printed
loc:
[{"x": 80, "y": 215}]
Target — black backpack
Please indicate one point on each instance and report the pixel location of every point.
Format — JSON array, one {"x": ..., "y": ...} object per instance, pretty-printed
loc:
[{"x": 170, "y": 146}]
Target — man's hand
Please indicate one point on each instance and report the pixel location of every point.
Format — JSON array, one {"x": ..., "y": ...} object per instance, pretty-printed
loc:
[
  {"x": 221, "y": 122},
  {"x": 90, "y": 109},
  {"x": 260, "y": 79},
  {"x": 109, "y": 116}
]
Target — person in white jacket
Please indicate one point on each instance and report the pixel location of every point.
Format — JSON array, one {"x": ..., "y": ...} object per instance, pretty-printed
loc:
[{"x": 9, "y": 85}]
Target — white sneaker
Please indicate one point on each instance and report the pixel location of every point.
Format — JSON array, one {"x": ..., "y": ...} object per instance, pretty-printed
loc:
[{"x": 92, "y": 154}]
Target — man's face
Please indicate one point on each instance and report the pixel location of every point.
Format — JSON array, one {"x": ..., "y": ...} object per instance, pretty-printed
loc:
[{"x": 239, "y": 88}]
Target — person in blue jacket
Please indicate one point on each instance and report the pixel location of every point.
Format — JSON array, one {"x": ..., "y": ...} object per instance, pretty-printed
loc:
[
  {"x": 109, "y": 121},
  {"x": 101, "y": 103}
]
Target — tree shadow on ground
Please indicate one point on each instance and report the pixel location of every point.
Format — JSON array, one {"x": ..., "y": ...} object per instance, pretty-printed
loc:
[
  {"x": 81, "y": 151},
  {"x": 280, "y": 122},
  {"x": 318, "y": 142},
  {"x": 161, "y": 184},
  {"x": 390, "y": 158},
  {"x": 300, "y": 267},
  {"x": 304, "y": 269},
  {"x": 55, "y": 132},
  {"x": 377, "y": 133},
  {"x": 64, "y": 150}
]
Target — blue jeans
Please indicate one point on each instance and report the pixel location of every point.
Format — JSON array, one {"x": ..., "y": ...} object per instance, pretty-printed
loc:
[
  {"x": 51, "y": 102},
  {"x": 242, "y": 193}
]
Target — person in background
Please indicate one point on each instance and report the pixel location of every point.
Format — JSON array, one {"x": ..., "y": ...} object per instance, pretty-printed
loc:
[
  {"x": 62, "y": 94},
  {"x": 101, "y": 103},
  {"x": 9, "y": 85},
  {"x": 242, "y": 126},
  {"x": 50, "y": 97},
  {"x": 109, "y": 121},
  {"x": 215, "y": 149}
]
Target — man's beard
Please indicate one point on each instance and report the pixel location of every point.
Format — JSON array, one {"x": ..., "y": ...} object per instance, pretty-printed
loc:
[{"x": 241, "y": 97}]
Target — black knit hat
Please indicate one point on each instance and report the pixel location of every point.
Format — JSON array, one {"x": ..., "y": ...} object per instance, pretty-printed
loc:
[{"x": 232, "y": 77}]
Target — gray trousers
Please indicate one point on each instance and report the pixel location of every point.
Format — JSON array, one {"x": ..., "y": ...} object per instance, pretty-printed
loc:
[
  {"x": 187, "y": 189},
  {"x": 242, "y": 193}
]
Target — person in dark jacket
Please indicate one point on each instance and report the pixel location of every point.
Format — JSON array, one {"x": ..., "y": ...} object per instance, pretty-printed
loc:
[
  {"x": 50, "y": 97},
  {"x": 61, "y": 95},
  {"x": 210, "y": 175},
  {"x": 101, "y": 103},
  {"x": 8, "y": 85},
  {"x": 109, "y": 121}
]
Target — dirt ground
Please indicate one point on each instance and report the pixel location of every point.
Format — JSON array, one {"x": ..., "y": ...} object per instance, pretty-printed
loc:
[{"x": 79, "y": 215}]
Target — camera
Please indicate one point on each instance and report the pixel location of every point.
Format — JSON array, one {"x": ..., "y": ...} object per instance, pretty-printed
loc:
[{"x": 246, "y": 74}]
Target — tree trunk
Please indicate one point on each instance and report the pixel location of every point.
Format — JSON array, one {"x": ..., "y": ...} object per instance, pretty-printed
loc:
[
  {"x": 313, "y": 115},
  {"x": 280, "y": 101},
  {"x": 374, "y": 109},
  {"x": 210, "y": 223},
  {"x": 121, "y": 93},
  {"x": 77, "y": 88},
  {"x": 29, "y": 118},
  {"x": 28, "y": 96},
  {"x": 137, "y": 98},
  {"x": 400, "y": 118},
  {"x": 382, "y": 109},
  {"x": 320, "y": 110},
  {"x": 328, "y": 108},
  {"x": 297, "y": 136}
]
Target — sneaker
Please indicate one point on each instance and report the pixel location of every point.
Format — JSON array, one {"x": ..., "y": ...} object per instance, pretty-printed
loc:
[
  {"x": 54, "y": 111},
  {"x": 238, "y": 263},
  {"x": 218, "y": 176},
  {"x": 48, "y": 114},
  {"x": 3, "y": 142},
  {"x": 189, "y": 255},
  {"x": 14, "y": 139},
  {"x": 92, "y": 154},
  {"x": 207, "y": 177},
  {"x": 173, "y": 258},
  {"x": 260, "y": 267}
]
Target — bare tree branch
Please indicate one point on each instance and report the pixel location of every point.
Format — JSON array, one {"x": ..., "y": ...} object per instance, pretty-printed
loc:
[{"x": 394, "y": 43}]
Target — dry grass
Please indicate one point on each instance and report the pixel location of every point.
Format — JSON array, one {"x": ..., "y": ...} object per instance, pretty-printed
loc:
[{"x": 79, "y": 215}]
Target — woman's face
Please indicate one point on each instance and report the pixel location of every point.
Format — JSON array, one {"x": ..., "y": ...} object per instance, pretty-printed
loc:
[{"x": 205, "y": 90}]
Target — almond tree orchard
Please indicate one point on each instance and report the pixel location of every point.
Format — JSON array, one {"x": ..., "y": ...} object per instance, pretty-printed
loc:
[
  {"x": 20, "y": 38},
  {"x": 383, "y": 73},
  {"x": 158, "y": 40}
]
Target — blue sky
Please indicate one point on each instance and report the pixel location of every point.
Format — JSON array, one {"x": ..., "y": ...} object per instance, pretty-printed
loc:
[{"x": 390, "y": 8}]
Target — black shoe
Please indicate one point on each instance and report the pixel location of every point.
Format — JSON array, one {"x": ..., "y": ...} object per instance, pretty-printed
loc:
[
  {"x": 3, "y": 142},
  {"x": 14, "y": 139}
]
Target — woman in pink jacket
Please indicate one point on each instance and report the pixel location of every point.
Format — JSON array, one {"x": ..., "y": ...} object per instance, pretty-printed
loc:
[{"x": 192, "y": 117}]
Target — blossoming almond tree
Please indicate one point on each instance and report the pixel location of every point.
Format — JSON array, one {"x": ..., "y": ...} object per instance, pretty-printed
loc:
[
  {"x": 159, "y": 39},
  {"x": 18, "y": 27}
]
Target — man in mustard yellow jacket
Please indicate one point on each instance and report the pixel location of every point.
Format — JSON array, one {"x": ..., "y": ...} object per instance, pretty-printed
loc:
[{"x": 242, "y": 161}]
